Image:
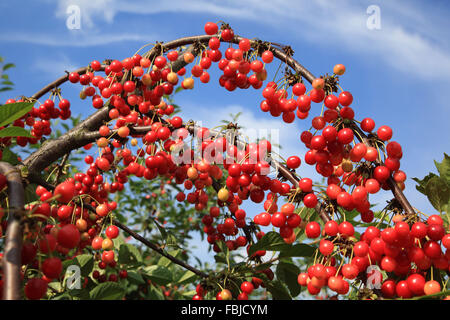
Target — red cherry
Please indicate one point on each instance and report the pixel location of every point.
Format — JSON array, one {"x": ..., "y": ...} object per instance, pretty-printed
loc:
[
  {"x": 293, "y": 162},
  {"x": 247, "y": 287},
  {"x": 35, "y": 288},
  {"x": 345, "y": 98},
  {"x": 65, "y": 191},
  {"x": 416, "y": 283},
  {"x": 388, "y": 288},
  {"x": 346, "y": 229},
  {"x": 68, "y": 236},
  {"x": 367, "y": 124},
  {"x": 345, "y": 135},
  {"x": 112, "y": 232},
  {"x": 52, "y": 268},
  {"x": 402, "y": 289},
  {"x": 211, "y": 28},
  {"x": 312, "y": 230},
  {"x": 331, "y": 228},
  {"x": 384, "y": 133},
  {"x": 310, "y": 200},
  {"x": 435, "y": 219},
  {"x": 326, "y": 247}
]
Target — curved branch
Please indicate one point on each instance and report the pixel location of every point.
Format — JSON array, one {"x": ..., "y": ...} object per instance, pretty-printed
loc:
[
  {"x": 60, "y": 81},
  {"x": 159, "y": 250},
  {"x": 13, "y": 246}
]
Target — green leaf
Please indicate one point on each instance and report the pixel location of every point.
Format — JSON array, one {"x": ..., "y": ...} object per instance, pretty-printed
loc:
[
  {"x": 298, "y": 250},
  {"x": 129, "y": 254},
  {"x": 15, "y": 132},
  {"x": 30, "y": 193},
  {"x": 187, "y": 277},
  {"x": 118, "y": 241},
  {"x": 271, "y": 241},
  {"x": 13, "y": 111},
  {"x": 155, "y": 294},
  {"x": 438, "y": 193},
  {"x": 444, "y": 168},
  {"x": 220, "y": 258},
  {"x": 163, "y": 261},
  {"x": 135, "y": 277},
  {"x": 422, "y": 183},
  {"x": 84, "y": 261},
  {"x": 8, "y": 65},
  {"x": 278, "y": 290},
  {"x": 287, "y": 272},
  {"x": 10, "y": 157},
  {"x": 107, "y": 291},
  {"x": 158, "y": 274},
  {"x": 5, "y": 89},
  {"x": 262, "y": 266}
]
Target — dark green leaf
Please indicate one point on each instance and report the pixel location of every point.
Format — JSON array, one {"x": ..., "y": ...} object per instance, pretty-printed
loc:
[
  {"x": 287, "y": 272},
  {"x": 438, "y": 193},
  {"x": 278, "y": 290},
  {"x": 129, "y": 254},
  {"x": 444, "y": 168},
  {"x": 158, "y": 274},
  {"x": 422, "y": 183},
  {"x": 135, "y": 277},
  {"x": 10, "y": 157},
  {"x": 220, "y": 258},
  {"x": 13, "y": 111},
  {"x": 107, "y": 291},
  {"x": 15, "y": 132},
  {"x": 155, "y": 294},
  {"x": 86, "y": 263},
  {"x": 30, "y": 193},
  {"x": 8, "y": 65},
  {"x": 271, "y": 241},
  {"x": 298, "y": 250},
  {"x": 262, "y": 266}
]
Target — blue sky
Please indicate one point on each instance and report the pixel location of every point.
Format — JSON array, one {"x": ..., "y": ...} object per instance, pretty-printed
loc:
[{"x": 398, "y": 74}]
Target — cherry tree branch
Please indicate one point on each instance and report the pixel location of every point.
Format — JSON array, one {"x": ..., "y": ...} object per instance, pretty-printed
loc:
[
  {"x": 12, "y": 254},
  {"x": 159, "y": 250}
]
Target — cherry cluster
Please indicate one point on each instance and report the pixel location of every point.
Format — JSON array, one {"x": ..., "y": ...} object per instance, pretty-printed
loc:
[{"x": 143, "y": 138}]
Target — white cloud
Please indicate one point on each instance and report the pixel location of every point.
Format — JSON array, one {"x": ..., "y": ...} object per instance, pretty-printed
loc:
[
  {"x": 75, "y": 39},
  {"x": 407, "y": 41},
  {"x": 106, "y": 10}
]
